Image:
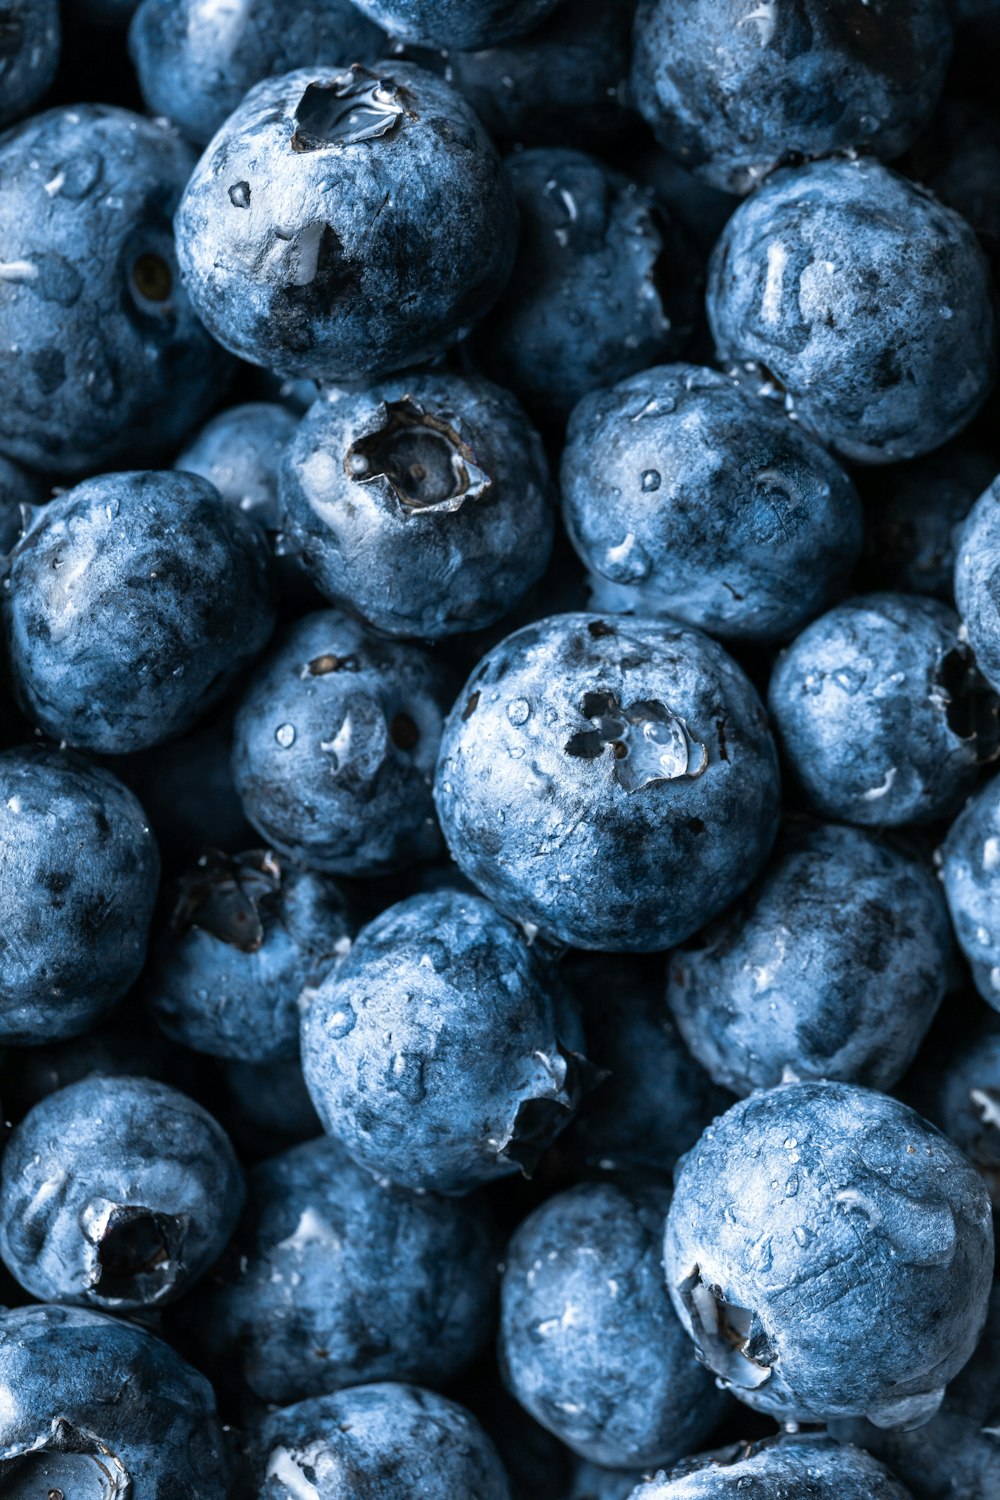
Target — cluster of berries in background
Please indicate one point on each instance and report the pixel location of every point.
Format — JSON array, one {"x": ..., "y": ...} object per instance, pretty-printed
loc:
[{"x": 499, "y": 745}]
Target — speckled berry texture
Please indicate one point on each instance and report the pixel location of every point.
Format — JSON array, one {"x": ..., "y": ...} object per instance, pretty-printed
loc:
[
  {"x": 441, "y": 1051},
  {"x": 116, "y": 1193},
  {"x": 346, "y": 224},
  {"x": 977, "y": 581},
  {"x": 422, "y": 504},
  {"x": 818, "y": 1196},
  {"x": 336, "y": 1277},
  {"x": 864, "y": 300},
  {"x": 686, "y": 496},
  {"x": 611, "y": 782},
  {"x": 806, "y": 1465},
  {"x": 103, "y": 360}
]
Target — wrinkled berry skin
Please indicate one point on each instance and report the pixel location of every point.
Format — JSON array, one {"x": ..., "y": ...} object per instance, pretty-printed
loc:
[
  {"x": 589, "y": 1342},
  {"x": 103, "y": 360},
  {"x": 240, "y": 452},
  {"x": 393, "y": 239},
  {"x": 133, "y": 603},
  {"x": 611, "y": 782},
  {"x": 336, "y": 1277},
  {"x": 832, "y": 966},
  {"x": 600, "y": 287},
  {"x": 421, "y": 504},
  {"x": 683, "y": 494},
  {"x": 970, "y": 869},
  {"x": 30, "y": 40},
  {"x": 865, "y": 298},
  {"x": 977, "y": 580},
  {"x": 654, "y": 1100},
  {"x": 734, "y": 93},
  {"x": 957, "y": 1087},
  {"x": 117, "y": 1193},
  {"x": 246, "y": 935},
  {"x": 86, "y": 1394},
  {"x": 956, "y": 1452},
  {"x": 381, "y": 1441},
  {"x": 457, "y": 23},
  {"x": 816, "y": 1219},
  {"x": 801, "y": 1464},
  {"x": 195, "y": 74},
  {"x": 334, "y": 747},
  {"x": 440, "y": 1052},
  {"x": 575, "y": 65},
  {"x": 78, "y": 883},
  {"x": 881, "y": 713}
]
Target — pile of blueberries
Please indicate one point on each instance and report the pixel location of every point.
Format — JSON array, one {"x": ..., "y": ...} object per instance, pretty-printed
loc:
[{"x": 499, "y": 729}]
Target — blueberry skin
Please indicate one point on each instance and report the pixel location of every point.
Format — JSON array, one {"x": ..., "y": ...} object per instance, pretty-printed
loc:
[
  {"x": 832, "y": 966},
  {"x": 457, "y": 23},
  {"x": 881, "y": 713},
  {"x": 681, "y": 493},
  {"x": 19, "y": 491},
  {"x": 394, "y": 217},
  {"x": 589, "y": 1342},
  {"x": 246, "y": 936},
  {"x": 613, "y": 783},
  {"x": 654, "y": 1100},
  {"x": 105, "y": 362},
  {"x": 957, "y": 1088},
  {"x": 30, "y": 40},
  {"x": 800, "y": 1464},
  {"x": 970, "y": 870},
  {"x": 334, "y": 747},
  {"x": 133, "y": 603},
  {"x": 567, "y": 79},
  {"x": 336, "y": 1277},
  {"x": 93, "y": 1402},
  {"x": 977, "y": 578},
  {"x": 955, "y": 1453},
  {"x": 816, "y": 1219},
  {"x": 78, "y": 883},
  {"x": 379, "y": 1441},
  {"x": 865, "y": 299},
  {"x": 734, "y": 93},
  {"x": 440, "y": 1051},
  {"x": 194, "y": 69},
  {"x": 422, "y": 504},
  {"x": 601, "y": 286},
  {"x": 240, "y": 452},
  {"x": 116, "y": 1193}
]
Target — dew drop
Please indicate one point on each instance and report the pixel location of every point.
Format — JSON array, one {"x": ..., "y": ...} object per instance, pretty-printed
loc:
[
  {"x": 651, "y": 481},
  {"x": 519, "y": 711},
  {"x": 285, "y": 735}
]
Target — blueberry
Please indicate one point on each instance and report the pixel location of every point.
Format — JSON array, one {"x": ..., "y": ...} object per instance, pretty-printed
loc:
[
  {"x": 655, "y": 1100},
  {"x": 195, "y": 64},
  {"x": 78, "y": 883},
  {"x": 440, "y": 1051},
  {"x": 831, "y": 1254},
  {"x": 601, "y": 288},
  {"x": 864, "y": 300},
  {"x": 381, "y": 1441},
  {"x": 683, "y": 494},
  {"x": 611, "y": 782},
  {"x": 133, "y": 603},
  {"x": 589, "y": 1342},
  {"x": 955, "y": 1453},
  {"x": 970, "y": 869},
  {"x": 881, "y": 713},
  {"x": 957, "y": 1087},
  {"x": 334, "y": 747},
  {"x": 246, "y": 935},
  {"x": 98, "y": 1408},
  {"x": 346, "y": 224},
  {"x": 103, "y": 359},
  {"x": 421, "y": 504},
  {"x": 116, "y": 1193},
  {"x": 832, "y": 966},
  {"x": 457, "y": 23},
  {"x": 734, "y": 92},
  {"x": 959, "y": 160},
  {"x": 240, "y": 452},
  {"x": 977, "y": 575},
  {"x": 336, "y": 1277},
  {"x": 30, "y": 38},
  {"x": 801, "y": 1464}
]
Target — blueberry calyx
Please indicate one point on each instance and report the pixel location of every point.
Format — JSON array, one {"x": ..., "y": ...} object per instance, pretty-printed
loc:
[
  {"x": 539, "y": 1119},
  {"x": 66, "y": 1464},
  {"x": 969, "y": 704},
  {"x": 355, "y": 106},
  {"x": 649, "y": 743},
  {"x": 421, "y": 458},
  {"x": 138, "y": 1252},
  {"x": 729, "y": 1339},
  {"x": 225, "y": 894}
]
